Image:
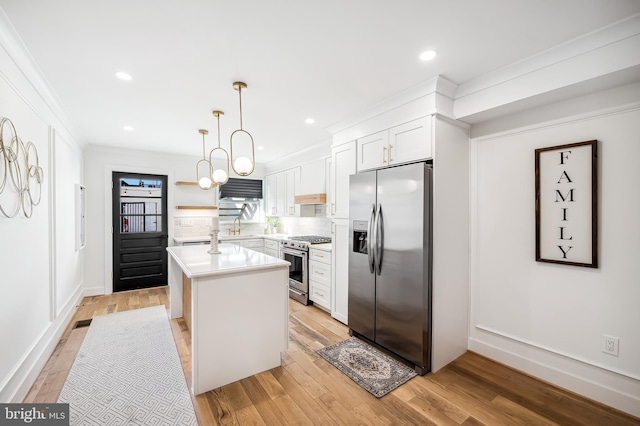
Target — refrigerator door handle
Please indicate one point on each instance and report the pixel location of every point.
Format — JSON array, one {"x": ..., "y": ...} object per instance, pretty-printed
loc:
[
  {"x": 370, "y": 238},
  {"x": 379, "y": 239}
]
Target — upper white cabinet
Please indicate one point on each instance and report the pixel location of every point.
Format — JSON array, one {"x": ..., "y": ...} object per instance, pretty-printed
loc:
[
  {"x": 281, "y": 189},
  {"x": 343, "y": 164},
  {"x": 401, "y": 144},
  {"x": 312, "y": 178},
  {"x": 275, "y": 189},
  {"x": 292, "y": 185}
]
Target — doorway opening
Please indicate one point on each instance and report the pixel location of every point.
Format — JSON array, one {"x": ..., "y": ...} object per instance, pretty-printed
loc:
[{"x": 140, "y": 230}]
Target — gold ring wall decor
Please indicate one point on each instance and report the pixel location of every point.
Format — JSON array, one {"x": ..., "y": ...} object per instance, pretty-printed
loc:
[{"x": 19, "y": 170}]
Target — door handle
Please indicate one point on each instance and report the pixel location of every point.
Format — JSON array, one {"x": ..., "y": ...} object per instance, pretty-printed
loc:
[
  {"x": 370, "y": 236},
  {"x": 379, "y": 239}
]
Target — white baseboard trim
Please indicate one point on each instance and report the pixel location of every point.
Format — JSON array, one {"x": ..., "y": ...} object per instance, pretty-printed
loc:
[
  {"x": 93, "y": 291},
  {"x": 18, "y": 385},
  {"x": 617, "y": 391}
]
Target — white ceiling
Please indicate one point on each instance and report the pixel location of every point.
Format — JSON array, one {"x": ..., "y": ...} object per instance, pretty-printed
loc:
[{"x": 327, "y": 59}]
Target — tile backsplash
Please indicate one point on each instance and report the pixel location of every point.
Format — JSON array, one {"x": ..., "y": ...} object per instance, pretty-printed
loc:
[{"x": 197, "y": 226}]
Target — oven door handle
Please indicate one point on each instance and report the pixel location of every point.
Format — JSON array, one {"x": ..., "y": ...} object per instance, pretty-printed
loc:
[{"x": 294, "y": 252}]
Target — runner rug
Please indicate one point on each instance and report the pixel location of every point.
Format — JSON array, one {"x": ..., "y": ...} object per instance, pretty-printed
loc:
[
  {"x": 128, "y": 373},
  {"x": 373, "y": 370}
]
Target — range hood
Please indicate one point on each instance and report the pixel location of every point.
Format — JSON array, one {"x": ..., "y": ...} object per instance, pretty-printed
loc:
[
  {"x": 311, "y": 199},
  {"x": 241, "y": 189}
]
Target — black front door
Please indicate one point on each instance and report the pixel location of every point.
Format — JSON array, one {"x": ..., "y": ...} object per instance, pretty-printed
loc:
[{"x": 139, "y": 231}]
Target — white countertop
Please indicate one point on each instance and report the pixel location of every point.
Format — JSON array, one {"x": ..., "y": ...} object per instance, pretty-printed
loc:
[
  {"x": 195, "y": 261},
  {"x": 221, "y": 237}
]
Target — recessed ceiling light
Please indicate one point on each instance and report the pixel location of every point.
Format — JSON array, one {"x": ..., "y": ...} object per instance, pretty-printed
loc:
[
  {"x": 428, "y": 55},
  {"x": 260, "y": 148},
  {"x": 309, "y": 121},
  {"x": 123, "y": 75},
  {"x": 128, "y": 128}
]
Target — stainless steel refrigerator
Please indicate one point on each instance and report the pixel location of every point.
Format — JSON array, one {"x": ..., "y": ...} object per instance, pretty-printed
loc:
[{"x": 390, "y": 260}]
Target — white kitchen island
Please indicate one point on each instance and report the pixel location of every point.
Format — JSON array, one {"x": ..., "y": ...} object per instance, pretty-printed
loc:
[{"x": 236, "y": 307}]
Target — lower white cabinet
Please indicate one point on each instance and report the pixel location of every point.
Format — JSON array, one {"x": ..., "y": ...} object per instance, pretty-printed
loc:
[
  {"x": 320, "y": 278},
  {"x": 255, "y": 244},
  {"x": 340, "y": 269},
  {"x": 272, "y": 248}
]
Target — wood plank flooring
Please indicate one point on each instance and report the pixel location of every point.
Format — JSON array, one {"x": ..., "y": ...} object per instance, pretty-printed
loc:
[{"x": 307, "y": 390}]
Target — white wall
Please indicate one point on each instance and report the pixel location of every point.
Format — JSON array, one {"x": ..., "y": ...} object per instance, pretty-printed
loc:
[
  {"x": 41, "y": 270},
  {"x": 99, "y": 163},
  {"x": 548, "y": 319}
]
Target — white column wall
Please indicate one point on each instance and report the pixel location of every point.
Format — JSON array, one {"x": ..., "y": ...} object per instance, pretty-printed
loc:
[
  {"x": 548, "y": 319},
  {"x": 41, "y": 272}
]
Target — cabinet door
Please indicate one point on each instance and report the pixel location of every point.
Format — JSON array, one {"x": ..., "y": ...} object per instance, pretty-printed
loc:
[
  {"x": 272, "y": 194},
  {"x": 327, "y": 179},
  {"x": 343, "y": 164},
  {"x": 340, "y": 269},
  {"x": 410, "y": 141},
  {"x": 292, "y": 184},
  {"x": 373, "y": 151},
  {"x": 320, "y": 272},
  {"x": 312, "y": 178},
  {"x": 320, "y": 294}
]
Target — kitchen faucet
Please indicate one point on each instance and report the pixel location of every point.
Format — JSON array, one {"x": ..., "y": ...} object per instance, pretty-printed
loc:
[{"x": 234, "y": 226}]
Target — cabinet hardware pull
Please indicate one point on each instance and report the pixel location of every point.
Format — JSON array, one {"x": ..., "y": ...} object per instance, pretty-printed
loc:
[
  {"x": 384, "y": 154},
  {"x": 390, "y": 148},
  {"x": 333, "y": 208},
  {"x": 319, "y": 273}
]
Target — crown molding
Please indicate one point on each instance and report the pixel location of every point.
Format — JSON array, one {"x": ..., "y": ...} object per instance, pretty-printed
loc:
[{"x": 27, "y": 71}]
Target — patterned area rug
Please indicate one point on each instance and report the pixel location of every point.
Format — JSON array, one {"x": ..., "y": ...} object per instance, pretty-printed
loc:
[
  {"x": 128, "y": 373},
  {"x": 373, "y": 370}
]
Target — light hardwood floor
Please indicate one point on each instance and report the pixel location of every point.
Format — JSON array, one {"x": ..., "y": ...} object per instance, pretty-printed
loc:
[{"x": 307, "y": 390}]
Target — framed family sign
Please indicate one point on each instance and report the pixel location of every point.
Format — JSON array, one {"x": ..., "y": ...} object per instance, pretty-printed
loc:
[{"x": 567, "y": 204}]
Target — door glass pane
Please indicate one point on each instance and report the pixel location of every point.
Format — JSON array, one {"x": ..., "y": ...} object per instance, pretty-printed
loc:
[{"x": 140, "y": 205}]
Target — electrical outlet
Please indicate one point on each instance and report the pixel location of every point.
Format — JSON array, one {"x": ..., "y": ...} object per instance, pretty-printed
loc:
[{"x": 610, "y": 345}]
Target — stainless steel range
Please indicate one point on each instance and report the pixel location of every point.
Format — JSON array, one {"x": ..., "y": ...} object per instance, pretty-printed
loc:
[{"x": 295, "y": 250}]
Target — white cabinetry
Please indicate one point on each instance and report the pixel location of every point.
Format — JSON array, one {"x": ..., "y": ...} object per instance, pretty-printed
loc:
[
  {"x": 281, "y": 188},
  {"x": 320, "y": 278},
  {"x": 401, "y": 144},
  {"x": 255, "y": 244},
  {"x": 272, "y": 248},
  {"x": 275, "y": 189},
  {"x": 343, "y": 164},
  {"x": 340, "y": 269},
  {"x": 327, "y": 180},
  {"x": 312, "y": 178},
  {"x": 292, "y": 185}
]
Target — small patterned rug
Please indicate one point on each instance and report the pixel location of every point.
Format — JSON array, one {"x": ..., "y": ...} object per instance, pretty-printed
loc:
[
  {"x": 373, "y": 370},
  {"x": 128, "y": 372}
]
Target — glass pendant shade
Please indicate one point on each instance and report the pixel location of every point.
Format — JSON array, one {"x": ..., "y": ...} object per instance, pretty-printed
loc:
[
  {"x": 204, "y": 182},
  {"x": 243, "y": 158},
  {"x": 220, "y": 176},
  {"x": 203, "y": 167}
]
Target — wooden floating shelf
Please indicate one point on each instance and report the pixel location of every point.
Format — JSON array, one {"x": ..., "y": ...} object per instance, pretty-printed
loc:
[
  {"x": 189, "y": 183},
  {"x": 196, "y": 208}
]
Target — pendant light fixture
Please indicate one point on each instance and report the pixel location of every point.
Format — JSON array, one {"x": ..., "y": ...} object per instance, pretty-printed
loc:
[
  {"x": 241, "y": 163},
  {"x": 204, "y": 179},
  {"x": 219, "y": 176}
]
